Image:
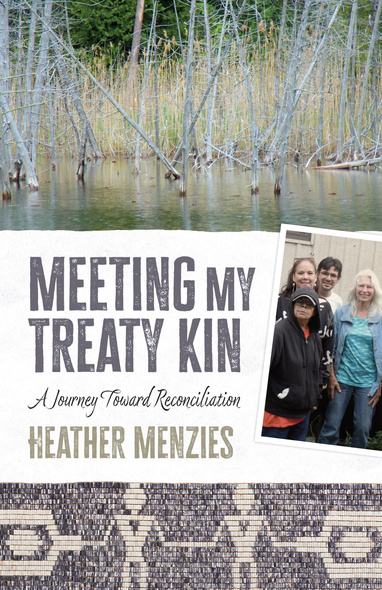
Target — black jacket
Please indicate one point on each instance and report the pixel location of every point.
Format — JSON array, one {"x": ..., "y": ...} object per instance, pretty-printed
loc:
[
  {"x": 326, "y": 330},
  {"x": 295, "y": 377}
]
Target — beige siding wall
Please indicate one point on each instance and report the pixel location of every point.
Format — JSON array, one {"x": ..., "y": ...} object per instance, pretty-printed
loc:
[{"x": 355, "y": 255}]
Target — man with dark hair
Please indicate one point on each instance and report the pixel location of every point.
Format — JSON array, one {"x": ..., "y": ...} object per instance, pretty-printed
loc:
[{"x": 328, "y": 275}]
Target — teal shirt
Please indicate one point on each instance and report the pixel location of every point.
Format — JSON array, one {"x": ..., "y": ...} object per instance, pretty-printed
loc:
[{"x": 357, "y": 365}]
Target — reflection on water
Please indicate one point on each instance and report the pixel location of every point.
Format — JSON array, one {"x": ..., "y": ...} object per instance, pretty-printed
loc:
[{"x": 218, "y": 199}]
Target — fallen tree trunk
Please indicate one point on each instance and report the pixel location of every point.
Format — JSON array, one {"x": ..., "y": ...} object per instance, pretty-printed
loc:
[{"x": 348, "y": 165}]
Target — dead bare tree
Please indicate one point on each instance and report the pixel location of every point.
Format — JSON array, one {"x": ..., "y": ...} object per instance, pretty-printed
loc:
[
  {"x": 5, "y": 110},
  {"x": 296, "y": 75},
  {"x": 210, "y": 97},
  {"x": 193, "y": 131},
  {"x": 52, "y": 131},
  {"x": 254, "y": 130},
  {"x": 320, "y": 126},
  {"x": 187, "y": 101},
  {"x": 157, "y": 134},
  {"x": 71, "y": 88},
  {"x": 150, "y": 42},
  {"x": 4, "y": 182},
  {"x": 376, "y": 108},
  {"x": 20, "y": 51},
  {"x": 278, "y": 60},
  {"x": 293, "y": 89},
  {"x": 345, "y": 78},
  {"x": 280, "y": 141},
  {"x": 366, "y": 73},
  {"x": 28, "y": 75},
  {"x": 208, "y": 89},
  {"x": 214, "y": 89},
  {"x": 4, "y": 82},
  {"x": 40, "y": 79},
  {"x": 112, "y": 100},
  {"x": 82, "y": 156}
]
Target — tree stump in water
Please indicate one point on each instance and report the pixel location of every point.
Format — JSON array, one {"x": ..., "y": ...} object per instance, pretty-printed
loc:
[
  {"x": 17, "y": 165},
  {"x": 81, "y": 169},
  {"x": 5, "y": 188},
  {"x": 81, "y": 162}
]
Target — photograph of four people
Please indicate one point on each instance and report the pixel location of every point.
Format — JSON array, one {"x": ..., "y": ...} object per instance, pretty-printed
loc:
[{"x": 325, "y": 372}]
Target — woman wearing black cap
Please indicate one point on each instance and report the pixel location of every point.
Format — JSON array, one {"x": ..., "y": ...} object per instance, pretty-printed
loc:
[{"x": 295, "y": 371}]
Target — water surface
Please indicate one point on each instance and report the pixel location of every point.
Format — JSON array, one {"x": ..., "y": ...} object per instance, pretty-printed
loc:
[{"x": 219, "y": 199}]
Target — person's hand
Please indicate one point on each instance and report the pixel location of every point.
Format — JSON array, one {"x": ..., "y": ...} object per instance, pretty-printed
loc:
[
  {"x": 332, "y": 385},
  {"x": 375, "y": 399}
]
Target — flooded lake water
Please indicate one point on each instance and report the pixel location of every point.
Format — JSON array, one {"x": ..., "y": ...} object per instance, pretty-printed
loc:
[{"x": 219, "y": 199}]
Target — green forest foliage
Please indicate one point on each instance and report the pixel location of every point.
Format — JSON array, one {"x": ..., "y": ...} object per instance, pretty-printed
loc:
[{"x": 107, "y": 26}]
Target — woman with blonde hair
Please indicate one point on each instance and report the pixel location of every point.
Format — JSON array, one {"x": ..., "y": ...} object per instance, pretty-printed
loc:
[{"x": 357, "y": 354}]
